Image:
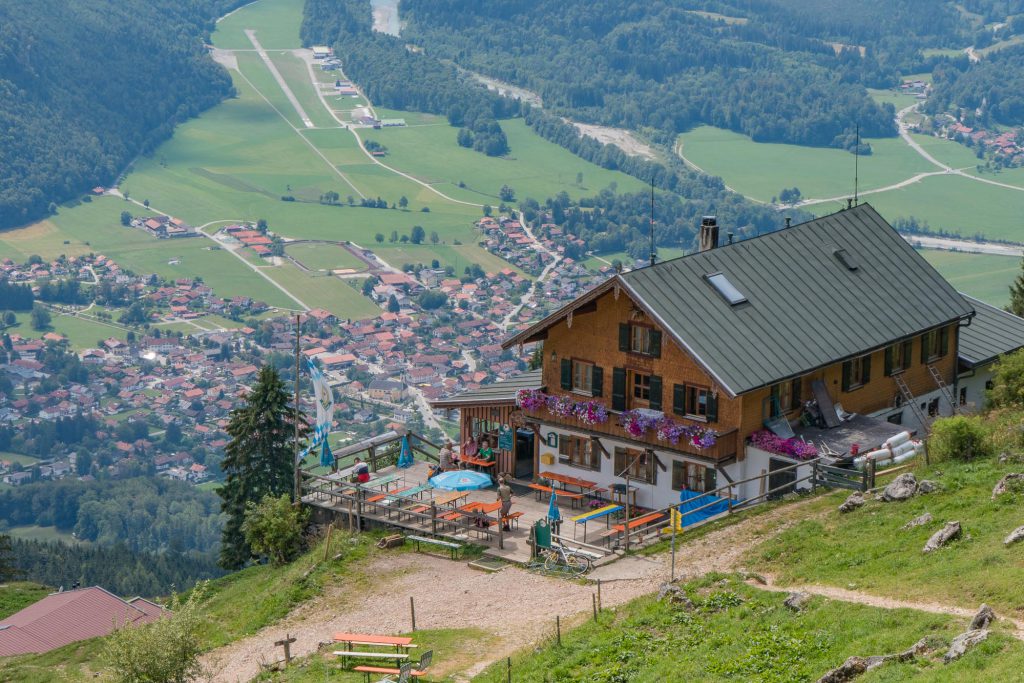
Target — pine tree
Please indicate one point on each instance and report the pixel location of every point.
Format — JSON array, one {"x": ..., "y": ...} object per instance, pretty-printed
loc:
[
  {"x": 258, "y": 459},
  {"x": 8, "y": 570},
  {"x": 1017, "y": 293}
]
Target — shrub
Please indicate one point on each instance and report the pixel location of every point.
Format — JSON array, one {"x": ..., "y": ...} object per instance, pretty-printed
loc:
[
  {"x": 959, "y": 438},
  {"x": 1008, "y": 381},
  {"x": 274, "y": 528}
]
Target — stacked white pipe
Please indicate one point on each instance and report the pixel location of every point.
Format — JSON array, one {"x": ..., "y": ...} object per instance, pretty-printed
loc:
[{"x": 896, "y": 449}]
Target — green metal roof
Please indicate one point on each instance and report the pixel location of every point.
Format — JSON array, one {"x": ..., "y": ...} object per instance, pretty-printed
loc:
[
  {"x": 992, "y": 333},
  {"x": 819, "y": 292},
  {"x": 499, "y": 392}
]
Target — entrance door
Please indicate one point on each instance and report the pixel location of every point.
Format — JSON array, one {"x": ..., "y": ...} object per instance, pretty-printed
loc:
[
  {"x": 777, "y": 479},
  {"x": 524, "y": 454}
]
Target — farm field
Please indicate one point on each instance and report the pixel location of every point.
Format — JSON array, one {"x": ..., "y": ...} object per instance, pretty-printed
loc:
[
  {"x": 42, "y": 533},
  {"x": 947, "y": 151},
  {"x": 984, "y": 276},
  {"x": 19, "y": 458},
  {"x": 456, "y": 256},
  {"x": 323, "y": 291},
  {"x": 534, "y": 168},
  {"x": 324, "y": 257},
  {"x": 83, "y": 333},
  {"x": 895, "y": 98},
  {"x": 1010, "y": 176},
  {"x": 296, "y": 74},
  {"x": 954, "y": 203},
  {"x": 762, "y": 170}
]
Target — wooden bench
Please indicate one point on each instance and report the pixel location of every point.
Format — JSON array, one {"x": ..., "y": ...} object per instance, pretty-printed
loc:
[
  {"x": 512, "y": 518},
  {"x": 453, "y": 547},
  {"x": 384, "y": 671},
  {"x": 540, "y": 488},
  {"x": 351, "y": 654},
  {"x": 633, "y": 524}
]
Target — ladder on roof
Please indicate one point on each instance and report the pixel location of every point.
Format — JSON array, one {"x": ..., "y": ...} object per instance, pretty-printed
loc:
[
  {"x": 943, "y": 387},
  {"x": 910, "y": 400}
]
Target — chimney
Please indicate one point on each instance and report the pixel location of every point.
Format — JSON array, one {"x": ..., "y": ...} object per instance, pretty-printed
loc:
[{"x": 708, "y": 233}]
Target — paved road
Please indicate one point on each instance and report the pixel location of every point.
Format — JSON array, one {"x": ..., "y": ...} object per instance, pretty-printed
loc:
[
  {"x": 968, "y": 246},
  {"x": 251, "y": 35},
  {"x": 528, "y": 297}
]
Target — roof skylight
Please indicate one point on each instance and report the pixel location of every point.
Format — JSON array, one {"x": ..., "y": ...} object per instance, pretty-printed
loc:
[
  {"x": 727, "y": 289},
  {"x": 846, "y": 258}
]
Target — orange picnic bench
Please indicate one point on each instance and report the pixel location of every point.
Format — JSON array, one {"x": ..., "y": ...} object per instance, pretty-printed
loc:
[
  {"x": 420, "y": 669},
  {"x": 574, "y": 498},
  {"x": 642, "y": 520}
]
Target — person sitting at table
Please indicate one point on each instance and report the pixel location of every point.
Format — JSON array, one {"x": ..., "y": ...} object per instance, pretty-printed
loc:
[
  {"x": 468, "y": 451},
  {"x": 361, "y": 470},
  {"x": 486, "y": 453}
]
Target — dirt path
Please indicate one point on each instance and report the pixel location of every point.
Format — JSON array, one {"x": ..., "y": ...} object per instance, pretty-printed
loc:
[
  {"x": 516, "y": 607},
  {"x": 856, "y": 597}
]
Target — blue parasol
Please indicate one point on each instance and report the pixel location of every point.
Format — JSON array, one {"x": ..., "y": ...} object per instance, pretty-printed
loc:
[
  {"x": 461, "y": 480},
  {"x": 326, "y": 457},
  {"x": 553, "y": 514},
  {"x": 405, "y": 455}
]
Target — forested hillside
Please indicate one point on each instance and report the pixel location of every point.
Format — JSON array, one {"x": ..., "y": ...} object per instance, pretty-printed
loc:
[
  {"x": 85, "y": 85},
  {"x": 660, "y": 67}
]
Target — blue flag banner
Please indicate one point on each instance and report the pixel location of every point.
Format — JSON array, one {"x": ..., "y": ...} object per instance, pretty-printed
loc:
[{"x": 324, "y": 409}]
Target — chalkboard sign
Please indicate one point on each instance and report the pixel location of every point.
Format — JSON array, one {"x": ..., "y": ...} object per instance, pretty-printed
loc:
[{"x": 505, "y": 438}]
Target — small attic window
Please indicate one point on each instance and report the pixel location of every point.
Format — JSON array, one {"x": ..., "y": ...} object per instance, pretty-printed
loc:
[
  {"x": 846, "y": 258},
  {"x": 727, "y": 289}
]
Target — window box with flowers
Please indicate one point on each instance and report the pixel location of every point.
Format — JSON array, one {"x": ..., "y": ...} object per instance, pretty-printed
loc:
[{"x": 793, "y": 448}]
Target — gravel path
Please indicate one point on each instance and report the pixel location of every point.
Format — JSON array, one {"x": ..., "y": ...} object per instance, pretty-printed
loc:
[{"x": 450, "y": 594}]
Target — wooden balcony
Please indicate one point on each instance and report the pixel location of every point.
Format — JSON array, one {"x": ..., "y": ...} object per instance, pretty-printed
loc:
[{"x": 725, "y": 448}]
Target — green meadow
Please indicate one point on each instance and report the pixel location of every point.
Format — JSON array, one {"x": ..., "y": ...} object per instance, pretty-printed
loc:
[
  {"x": 762, "y": 170},
  {"x": 958, "y": 204},
  {"x": 320, "y": 290},
  {"x": 47, "y": 534},
  {"x": 985, "y": 276},
  {"x": 296, "y": 74},
  {"x": 324, "y": 257},
  {"x": 534, "y": 168},
  {"x": 276, "y": 24}
]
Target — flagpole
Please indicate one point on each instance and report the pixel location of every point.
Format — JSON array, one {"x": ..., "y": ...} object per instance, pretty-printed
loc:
[{"x": 295, "y": 456}]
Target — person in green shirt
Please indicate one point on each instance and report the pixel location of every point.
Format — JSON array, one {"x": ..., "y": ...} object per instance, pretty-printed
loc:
[{"x": 486, "y": 452}]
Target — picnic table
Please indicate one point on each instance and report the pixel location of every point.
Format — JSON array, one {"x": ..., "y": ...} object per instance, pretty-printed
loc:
[
  {"x": 477, "y": 462},
  {"x": 565, "y": 480},
  {"x": 451, "y": 498},
  {"x": 602, "y": 512},
  {"x": 483, "y": 508},
  {"x": 383, "y": 483},
  {"x": 351, "y": 640}
]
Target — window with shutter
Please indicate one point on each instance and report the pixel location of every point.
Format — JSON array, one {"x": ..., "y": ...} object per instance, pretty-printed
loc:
[
  {"x": 598, "y": 381},
  {"x": 623, "y": 337},
  {"x": 655, "y": 344},
  {"x": 618, "y": 389},
  {"x": 655, "y": 397},
  {"x": 583, "y": 377},
  {"x": 847, "y": 370},
  {"x": 712, "y": 407},
  {"x": 856, "y": 373},
  {"x": 943, "y": 341},
  {"x": 566, "y": 382},
  {"x": 679, "y": 399}
]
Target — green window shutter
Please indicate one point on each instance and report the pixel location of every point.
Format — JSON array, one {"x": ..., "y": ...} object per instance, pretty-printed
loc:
[
  {"x": 566, "y": 374},
  {"x": 598, "y": 381},
  {"x": 866, "y": 364},
  {"x": 774, "y": 407},
  {"x": 888, "y": 361},
  {"x": 712, "y": 407},
  {"x": 655, "y": 400},
  {"x": 679, "y": 399},
  {"x": 924, "y": 348},
  {"x": 846, "y": 376},
  {"x": 943, "y": 341},
  {"x": 908, "y": 351},
  {"x": 797, "y": 387},
  {"x": 710, "y": 479},
  {"x": 623, "y": 337},
  {"x": 656, "y": 343},
  {"x": 618, "y": 389}
]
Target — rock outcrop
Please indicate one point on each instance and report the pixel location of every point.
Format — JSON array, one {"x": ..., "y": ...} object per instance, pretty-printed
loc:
[
  {"x": 920, "y": 520},
  {"x": 900, "y": 488},
  {"x": 943, "y": 536},
  {"x": 964, "y": 642},
  {"x": 1015, "y": 535},
  {"x": 983, "y": 619},
  {"x": 796, "y": 601},
  {"x": 855, "y": 501},
  {"x": 927, "y": 486},
  {"x": 1004, "y": 484}
]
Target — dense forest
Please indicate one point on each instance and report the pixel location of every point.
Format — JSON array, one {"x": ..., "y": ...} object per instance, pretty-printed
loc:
[
  {"x": 395, "y": 77},
  {"x": 656, "y": 66},
  {"x": 116, "y": 568},
  {"x": 145, "y": 514},
  {"x": 85, "y": 85},
  {"x": 990, "y": 92}
]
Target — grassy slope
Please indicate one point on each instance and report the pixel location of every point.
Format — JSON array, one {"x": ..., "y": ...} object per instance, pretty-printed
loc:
[
  {"x": 276, "y": 23},
  {"x": 739, "y": 633},
  {"x": 320, "y": 290},
  {"x": 16, "y": 596},
  {"x": 324, "y": 257},
  {"x": 985, "y": 276},
  {"x": 868, "y": 550},
  {"x": 762, "y": 170}
]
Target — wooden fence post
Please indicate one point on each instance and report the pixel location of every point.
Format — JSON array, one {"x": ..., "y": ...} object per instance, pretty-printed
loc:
[
  {"x": 558, "y": 629},
  {"x": 869, "y": 474},
  {"x": 371, "y": 454},
  {"x": 412, "y": 611},
  {"x": 814, "y": 476}
]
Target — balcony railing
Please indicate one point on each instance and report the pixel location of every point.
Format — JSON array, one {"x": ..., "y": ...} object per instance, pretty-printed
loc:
[{"x": 725, "y": 446}]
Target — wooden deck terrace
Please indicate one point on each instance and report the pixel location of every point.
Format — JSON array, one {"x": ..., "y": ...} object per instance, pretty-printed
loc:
[{"x": 417, "y": 511}]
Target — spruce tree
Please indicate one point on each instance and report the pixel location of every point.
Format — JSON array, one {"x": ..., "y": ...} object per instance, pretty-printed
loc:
[
  {"x": 258, "y": 461},
  {"x": 8, "y": 570},
  {"x": 1017, "y": 293}
]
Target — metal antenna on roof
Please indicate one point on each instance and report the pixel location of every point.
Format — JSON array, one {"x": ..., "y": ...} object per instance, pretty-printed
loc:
[
  {"x": 654, "y": 254},
  {"x": 856, "y": 166}
]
